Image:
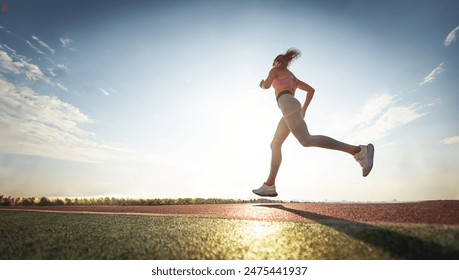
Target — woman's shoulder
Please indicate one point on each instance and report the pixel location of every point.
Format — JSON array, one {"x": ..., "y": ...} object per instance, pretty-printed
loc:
[
  {"x": 274, "y": 70},
  {"x": 284, "y": 73}
]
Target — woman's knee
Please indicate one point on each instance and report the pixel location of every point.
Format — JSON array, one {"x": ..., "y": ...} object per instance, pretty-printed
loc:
[
  {"x": 306, "y": 140},
  {"x": 276, "y": 145}
]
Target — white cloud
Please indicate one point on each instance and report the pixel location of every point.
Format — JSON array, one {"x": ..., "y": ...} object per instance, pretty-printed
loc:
[
  {"x": 59, "y": 85},
  {"x": 451, "y": 38},
  {"x": 429, "y": 78},
  {"x": 21, "y": 66},
  {"x": 392, "y": 118},
  {"x": 66, "y": 42},
  {"x": 367, "y": 114},
  {"x": 8, "y": 65},
  {"x": 6, "y": 30},
  {"x": 43, "y": 44},
  {"x": 377, "y": 118},
  {"x": 18, "y": 64},
  {"x": 58, "y": 70},
  {"x": 40, "y": 125},
  {"x": 34, "y": 47},
  {"x": 5, "y": 47},
  {"x": 104, "y": 92},
  {"x": 451, "y": 140}
]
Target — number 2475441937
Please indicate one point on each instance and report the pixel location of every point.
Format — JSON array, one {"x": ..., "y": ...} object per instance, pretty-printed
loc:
[{"x": 264, "y": 270}]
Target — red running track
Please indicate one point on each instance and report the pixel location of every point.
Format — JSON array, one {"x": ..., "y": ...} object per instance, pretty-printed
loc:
[{"x": 428, "y": 212}]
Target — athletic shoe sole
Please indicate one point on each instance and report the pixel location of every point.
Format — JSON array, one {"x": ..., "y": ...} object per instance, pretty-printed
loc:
[
  {"x": 370, "y": 154},
  {"x": 266, "y": 195}
]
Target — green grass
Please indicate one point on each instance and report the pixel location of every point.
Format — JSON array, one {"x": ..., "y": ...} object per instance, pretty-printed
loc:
[{"x": 32, "y": 235}]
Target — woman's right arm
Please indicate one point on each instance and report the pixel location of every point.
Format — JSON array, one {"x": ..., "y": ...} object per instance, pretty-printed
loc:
[{"x": 265, "y": 84}]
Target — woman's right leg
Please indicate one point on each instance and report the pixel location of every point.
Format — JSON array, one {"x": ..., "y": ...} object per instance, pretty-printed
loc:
[
  {"x": 299, "y": 128},
  {"x": 291, "y": 110},
  {"x": 363, "y": 154}
]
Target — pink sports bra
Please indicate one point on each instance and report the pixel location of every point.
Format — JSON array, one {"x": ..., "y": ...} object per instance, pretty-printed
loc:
[{"x": 286, "y": 81}]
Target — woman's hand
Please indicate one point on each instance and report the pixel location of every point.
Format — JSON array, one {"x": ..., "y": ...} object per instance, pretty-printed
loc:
[{"x": 261, "y": 83}]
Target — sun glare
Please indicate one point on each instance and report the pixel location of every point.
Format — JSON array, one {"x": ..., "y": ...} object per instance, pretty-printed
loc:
[{"x": 255, "y": 231}]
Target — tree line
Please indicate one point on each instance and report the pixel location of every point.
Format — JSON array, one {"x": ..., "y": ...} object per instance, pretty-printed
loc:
[{"x": 45, "y": 201}]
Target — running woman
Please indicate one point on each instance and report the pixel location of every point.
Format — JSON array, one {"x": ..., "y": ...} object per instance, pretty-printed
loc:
[{"x": 285, "y": 85}]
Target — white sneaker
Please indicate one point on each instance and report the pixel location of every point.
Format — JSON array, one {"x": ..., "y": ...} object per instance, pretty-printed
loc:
[
  {"x": 266, "y": 190},
  {"x": 365, "y": 158}
]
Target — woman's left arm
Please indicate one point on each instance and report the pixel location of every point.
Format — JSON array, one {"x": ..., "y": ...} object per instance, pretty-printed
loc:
[{"x": 309, "y": 94}]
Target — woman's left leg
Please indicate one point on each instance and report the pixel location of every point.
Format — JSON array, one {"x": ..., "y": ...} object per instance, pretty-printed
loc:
[
  {"x": 281, "y": 134},
  {"x": 269, "y": 188}
]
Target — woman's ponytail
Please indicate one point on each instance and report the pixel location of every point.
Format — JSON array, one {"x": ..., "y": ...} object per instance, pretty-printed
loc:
[{"x": 285, "y": 59}]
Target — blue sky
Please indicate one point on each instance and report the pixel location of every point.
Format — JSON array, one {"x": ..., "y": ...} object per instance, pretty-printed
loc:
[{"x": 153, "y": 99}]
